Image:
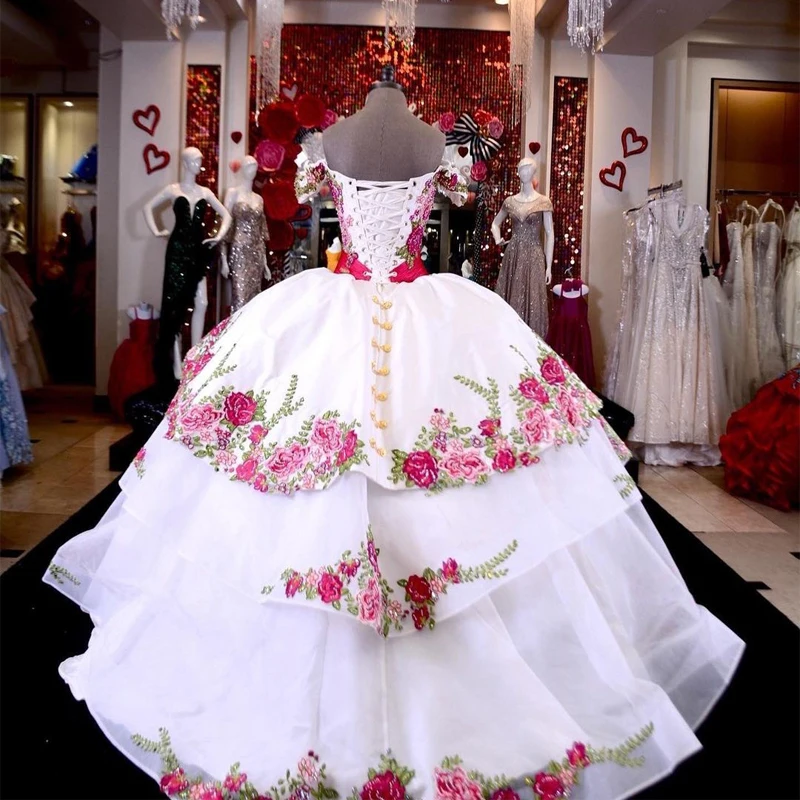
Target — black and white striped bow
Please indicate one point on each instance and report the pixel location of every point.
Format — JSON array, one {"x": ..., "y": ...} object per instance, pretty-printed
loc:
[{"x": 466, "y": 131}]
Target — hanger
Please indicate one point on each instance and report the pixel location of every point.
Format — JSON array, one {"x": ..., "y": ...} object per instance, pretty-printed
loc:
[
  {"x": 772, "y": 204},
  {"x": 743, "y": 209}
]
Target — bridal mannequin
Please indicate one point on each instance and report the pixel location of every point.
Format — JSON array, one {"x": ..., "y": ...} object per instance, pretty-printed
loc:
[
  {"x": 383, "y": 141},
  {"x": 244, "y": 258},
  {"x": 184, "y": 275},
  {"x": 527, "y": 261}
]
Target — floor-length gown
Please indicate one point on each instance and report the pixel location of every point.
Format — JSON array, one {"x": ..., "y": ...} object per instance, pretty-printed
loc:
[
  {"x": 767, "y": 237},
  {"x": 15, "y": 443},
  {"x": 384, "y": 523},
  {"x": 522, "y": 280},
  {"x": 569, "y": 333},
  {"x": 247, "y": 255},
  {"x": 789, "y": 291}
]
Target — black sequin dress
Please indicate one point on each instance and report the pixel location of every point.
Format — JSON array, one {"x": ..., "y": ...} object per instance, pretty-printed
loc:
[{"x": 186, "y": 263}]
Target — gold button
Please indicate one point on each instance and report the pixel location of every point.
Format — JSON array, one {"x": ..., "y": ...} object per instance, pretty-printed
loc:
[
  {"x": 387, "y": 326},
  {"x": 387, "y": 348},
  {"x": 381, "y": 397},
  {"x": 386, "y": 304}
]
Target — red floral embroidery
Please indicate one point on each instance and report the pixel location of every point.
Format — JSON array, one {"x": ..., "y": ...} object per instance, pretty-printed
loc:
[{"x": 138, "y": 462}]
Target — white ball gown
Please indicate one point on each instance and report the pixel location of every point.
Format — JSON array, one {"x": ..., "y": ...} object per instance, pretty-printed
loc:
[{"x": 384, "y": 528}]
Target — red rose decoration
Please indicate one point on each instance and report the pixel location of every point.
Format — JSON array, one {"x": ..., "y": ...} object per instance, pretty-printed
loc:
[
  {"x": 482, "y": 117},
  {"x": 278, "y": 122},
  {"x": 504, "y": 461},
  {"x": 293, "y": 584},
  {"x": 478, "y": 171},
  {"x": 552, "y": 371},
  {"x": 489, "y": 427},
  {"x": 548, "y": 787},
  {"x": 384, "y": 787},
  {"x": 174, "y": 782},
  {"x": 495, "y": 128},
  {"x": 330, "y": 588},
  {"x": 239, "y": 408},
  {"x": 533, "y": 390},
  {"x": 349, "y": 568},
  {"x": 450, "y": 570},
  {"x": 246, "y": 470},
  {"x": 420, "y": 468},
  {"x": 281, "y": 235},
  {"x": 420, "y": 615},
  {"x": 577, "y": 755},
  {"x": 310, "y": 111},
  {"x": 447, "y": 122},
  {"x": 418, "y": 590},
  {"x": 348, "y": 448},
  {"x": 506, "y": 793},
  {"x": 269, "y": 155},
  {"x": 525, "y": 459},
  {"x": 280, "y": 201}
]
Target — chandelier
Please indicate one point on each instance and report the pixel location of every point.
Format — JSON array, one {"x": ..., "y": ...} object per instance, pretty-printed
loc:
[
  {"x": 585, "y": 23},
  {"x": 400, "y": 16},
  {"x": 269, "y": 23},
  {"x": 174, "y": 11}
]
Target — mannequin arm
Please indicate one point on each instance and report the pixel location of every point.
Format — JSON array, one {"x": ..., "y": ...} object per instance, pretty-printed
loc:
[
  {"x": 162, "y": 197},
  {"x": 497, "y": 224},
  {"x": 225, "y": 215},
  {"x": 549, "y": 242}
]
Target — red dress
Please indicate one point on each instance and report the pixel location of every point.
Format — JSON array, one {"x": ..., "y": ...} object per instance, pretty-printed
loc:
[
  {"x": 132, "y": 367},
  {"x": 761, "y": 448},
  {"x": 568, "y": 333}
]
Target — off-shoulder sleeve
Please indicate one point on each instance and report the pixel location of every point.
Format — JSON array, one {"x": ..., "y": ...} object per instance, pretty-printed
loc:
[
  {"x": 310, "y": 177},
  {"x": 450, "y": 182},
  {"x": 546, "y": 204}
]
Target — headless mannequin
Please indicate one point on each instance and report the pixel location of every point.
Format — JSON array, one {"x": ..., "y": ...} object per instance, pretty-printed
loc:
[
  {"x": 191, "y": 163},
  {"x": 142, "y": 311},
  {"x": 581, "y": 292},
  {"x": 383, "y": 141},
  {"x": 527, "y": 171},
  {"x": 242, "y": 194}
]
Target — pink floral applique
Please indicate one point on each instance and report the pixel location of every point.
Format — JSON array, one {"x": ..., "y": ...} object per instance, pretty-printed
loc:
[
  {"x": 138, "y": 462},
  {"x": 619, "y": 446}
]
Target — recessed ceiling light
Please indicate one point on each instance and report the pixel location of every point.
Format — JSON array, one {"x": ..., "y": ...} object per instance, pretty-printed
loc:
[
  {"x": 69, "y": 103},
  {"x": 501, "y": 2}
]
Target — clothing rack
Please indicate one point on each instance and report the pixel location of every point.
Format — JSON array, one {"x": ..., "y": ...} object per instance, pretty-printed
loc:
[
  {"x": 659, "y": 190},
  {"x": 759, "y": 193}
]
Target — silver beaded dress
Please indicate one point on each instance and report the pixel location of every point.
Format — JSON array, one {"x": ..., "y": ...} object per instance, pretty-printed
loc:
[
  {"x": 247, "y": 255},
  {"x": 521, "y": 282}
]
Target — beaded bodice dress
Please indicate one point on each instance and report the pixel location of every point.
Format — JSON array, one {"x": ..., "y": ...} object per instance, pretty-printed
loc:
[{"x": 247, "y": 255}]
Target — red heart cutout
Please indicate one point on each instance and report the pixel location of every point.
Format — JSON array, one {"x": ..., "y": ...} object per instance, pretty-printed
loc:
[
  {"x": 154, "y": 159},
  {"x": 612, "y": 171},
  {"x": 463, "y": 150},
  {"x": 147, "y": 119},
  {"x": 236, "y": 137},
  {"x": 629, "y": 138},
  {"x": 534, "y": 147}
]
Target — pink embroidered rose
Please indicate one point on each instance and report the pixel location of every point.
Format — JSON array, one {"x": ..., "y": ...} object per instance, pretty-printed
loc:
[
  {"x": 495, "y": 128},
  {"x": 506, "y": 793},
  {"x": 193, "y": 366},
  {"x": 348, "y": 448},
  {"x": 261, "y": 483},
  {"x": 287, "y": 460},
  {"x": 418, "y": 590},
  {"x": 294, "y": 583},
  {"x": 465, "y": 464},
  {"x": 226, "y": 460},
  {"x": 330, "y": 587},
  {"x": 328, "y": 119},
  {"x": 450, "y": 571},
  {"x": 211, "y": 792},
  {"x": 420, "y": 616},
  {"x": 440, "y": 421},
  {"x": 174, "y": 782},
  {"x": 531, "y": 389},
  {"x": 420, "y": 467},
  {"x": 569, "y": 408},
  {"x": 247, "y": 470},
  {"x": 525, "y": 459},
  {"x": 489, "y": 427},
  {"x": 504, "y": 461},
  {"x": 548, "y": 787},
  {"x": 200, "y": 417},
  {"x": 234, "y": 782},
  {"x": 308, "y": 770},
  {"x": 479, "y": 171},
  {"x": 415, "y": 239},
  {"x": 372, "y": 555},
  {"x": 577, "y": 755},
  {"x": 455, "y": 785},
  {"x": 386, "y": 786},
  {"x": 370, "y": 602},
  {"x": 536, "y": 426},
  {"x": 447, "y": 122},
  {"x": 327, "y": 435},
  {"x": 552, "y": 370},
  {"x": 308, "y": 481},
  {"x": 239, "y": 408},
  {"x": 349, "y": 567},
  {"x": 257, "y": 433}
]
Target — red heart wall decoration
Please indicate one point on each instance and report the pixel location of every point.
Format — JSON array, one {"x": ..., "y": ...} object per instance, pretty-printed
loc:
[
  {"x": 236, "y": 137},
  {"x": 633, "y": 143},
  {"x": 147, "y": 119},
  {"x": 463, "y": 150},
  {"x": 289, "y": 92},
  {"x": 534, "y": 147},
  {"x": 154, "y": 159},
  {"x": 608, "y": 172}
]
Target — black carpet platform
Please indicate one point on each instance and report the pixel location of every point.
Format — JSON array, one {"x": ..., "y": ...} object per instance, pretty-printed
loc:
[{"x": 50, "y": 748}]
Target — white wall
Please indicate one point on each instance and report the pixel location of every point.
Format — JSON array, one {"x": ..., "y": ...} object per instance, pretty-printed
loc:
[{"x": 621, "y": 91}]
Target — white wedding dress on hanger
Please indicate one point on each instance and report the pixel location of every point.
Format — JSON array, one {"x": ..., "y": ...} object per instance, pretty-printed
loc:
[
  {"x": 353, "y": 534},
  {"x": 789, "y": 291}
]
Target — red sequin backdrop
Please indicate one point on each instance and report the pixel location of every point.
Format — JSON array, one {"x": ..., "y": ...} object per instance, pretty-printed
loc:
[
  {"x": 203, "y": 92},
  {"x": 570, "y": 99},
  {"x": 447, "y": 70}
]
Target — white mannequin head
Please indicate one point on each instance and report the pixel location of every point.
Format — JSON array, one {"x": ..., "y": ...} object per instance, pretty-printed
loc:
[
  {"x": 192, "y": 160},
  {"x": 528, "y": 171},
  {"x": 249, "y": 168}
]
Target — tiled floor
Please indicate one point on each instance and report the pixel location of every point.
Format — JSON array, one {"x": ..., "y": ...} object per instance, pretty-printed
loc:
[{"x": 71, "y": 466}]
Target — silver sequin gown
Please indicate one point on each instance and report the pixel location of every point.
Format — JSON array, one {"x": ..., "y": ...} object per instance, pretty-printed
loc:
[
  {"x": 247, "y": 254},
  {"x": 521, "y": 282}
]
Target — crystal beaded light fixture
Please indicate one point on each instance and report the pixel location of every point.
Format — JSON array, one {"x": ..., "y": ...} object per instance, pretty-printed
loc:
[
  {"x": 585, "y": 23},
  {"x": 401, "y": 19},
  {"x": 523, "y": 25},
  {"x": 174, "y": 11},
  {"x": 269, "y": 22}
]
